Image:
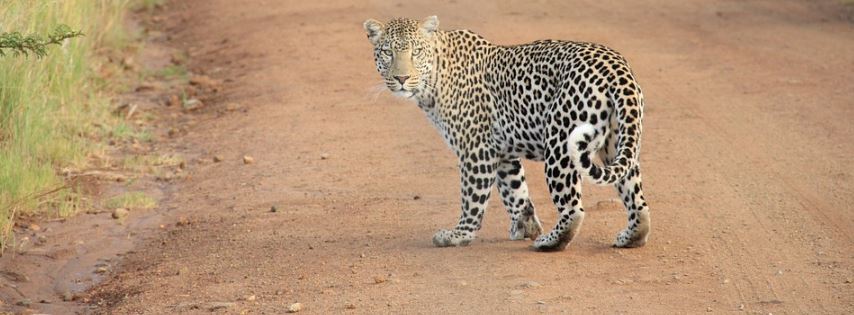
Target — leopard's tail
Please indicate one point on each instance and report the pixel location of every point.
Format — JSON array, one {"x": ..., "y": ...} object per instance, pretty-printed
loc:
[{"x": 586, "y": 141}]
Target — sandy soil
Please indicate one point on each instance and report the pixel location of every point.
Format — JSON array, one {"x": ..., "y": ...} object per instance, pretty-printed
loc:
[{"x": 747, "y": 166}]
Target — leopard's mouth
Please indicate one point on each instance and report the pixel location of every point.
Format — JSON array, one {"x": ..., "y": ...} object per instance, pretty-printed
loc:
[
  {"x": 402, "y": 90},
  {"x": 404, "y": 93}
]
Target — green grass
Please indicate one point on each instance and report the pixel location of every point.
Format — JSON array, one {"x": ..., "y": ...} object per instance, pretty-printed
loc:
[
  {"x": 125, "y": 132},
  {"x": 148, "y": 5},
  {"x": 53, "y": 110},
  {"x": 150, "y": 163},
  {"x": 131, "y": 200},
  {"x": 174, "y": 72}
]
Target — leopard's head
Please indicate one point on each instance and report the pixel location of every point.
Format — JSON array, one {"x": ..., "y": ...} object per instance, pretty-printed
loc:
[{"x": 404, "y": 52}]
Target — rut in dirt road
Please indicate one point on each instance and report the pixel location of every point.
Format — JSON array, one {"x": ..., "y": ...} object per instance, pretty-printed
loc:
[{"x": 746, "y": 152}]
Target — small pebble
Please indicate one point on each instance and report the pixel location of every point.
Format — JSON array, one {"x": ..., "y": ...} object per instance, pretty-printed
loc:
[
  {"x": 273, "y": 209},
  {"x": 350, "y": 306},
  {"x": 120, "y": 213},
  {"x": 217, "y": 158},
  {"x": 220, "y": 305},
  {"x": 41, "y": 240},
  {"x": 248, "y": 159},
  {"x": 379, "y": 279},
  {"x": 232, "y": 107},
  {"x": 193, "y": 104},
  {"x": 174, "y": 100},
  {"x": 251, "y": 298},
  {"x": 182, "y": 221},
  {"x": 416, "y": 197},
  {"x": 324, "y": 156},
  {"x": 296, "y": 307}
]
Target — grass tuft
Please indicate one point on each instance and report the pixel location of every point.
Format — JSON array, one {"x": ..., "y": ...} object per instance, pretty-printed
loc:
[
  {"x": 131, "y": 200},
  {"x": 172, "y": 72}
]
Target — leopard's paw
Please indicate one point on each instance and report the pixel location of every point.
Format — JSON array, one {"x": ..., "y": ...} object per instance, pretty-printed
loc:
[
  {"x": 446, "y": 238},
  {"x": 529, "y": 227},
  {"x": 631, "y": 238},
  {"x": 636, "y": 233},
  {"x": 550, "y": 242}
]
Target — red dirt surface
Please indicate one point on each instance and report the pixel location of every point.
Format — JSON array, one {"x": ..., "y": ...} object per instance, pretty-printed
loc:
[{"x": 747, "y": 154}]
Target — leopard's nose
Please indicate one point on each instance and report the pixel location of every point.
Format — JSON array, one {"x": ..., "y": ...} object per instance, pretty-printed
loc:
[{"x": 401, "y": 78}]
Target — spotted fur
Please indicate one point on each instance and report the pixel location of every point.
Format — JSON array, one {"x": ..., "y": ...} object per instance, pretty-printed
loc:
[{"x": 560, "y": 102}]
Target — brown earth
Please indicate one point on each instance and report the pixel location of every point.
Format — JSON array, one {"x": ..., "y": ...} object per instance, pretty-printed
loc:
[{"x": 747, "y": 162}]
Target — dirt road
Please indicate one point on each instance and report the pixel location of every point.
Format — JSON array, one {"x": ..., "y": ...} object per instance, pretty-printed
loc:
[{"x": 748, "y": 149}]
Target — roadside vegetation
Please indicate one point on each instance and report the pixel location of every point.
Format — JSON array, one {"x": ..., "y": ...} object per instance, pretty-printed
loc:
[{"x": 55, "y": 108}]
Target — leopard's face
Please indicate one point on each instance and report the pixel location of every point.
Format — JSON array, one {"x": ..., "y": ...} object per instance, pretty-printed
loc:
[{"x": 404, "y": 52}]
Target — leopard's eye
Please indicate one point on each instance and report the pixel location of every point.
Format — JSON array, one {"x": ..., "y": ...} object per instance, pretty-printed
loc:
[
  {"x": 386, "y": 52},
  {"x": 416, "y": 51}
]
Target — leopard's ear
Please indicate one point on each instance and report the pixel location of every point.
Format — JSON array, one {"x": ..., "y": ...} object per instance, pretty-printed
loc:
[
  {"x": 374, "y": 29},
  {"x": 430, "y": 25}
]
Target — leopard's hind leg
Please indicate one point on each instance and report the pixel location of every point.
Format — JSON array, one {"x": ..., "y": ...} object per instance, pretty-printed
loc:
[
  {"x": 514, "y": 193},
  {"x": 631, "y": 193},
  {"x": 564, "y": 182},
  {"x": 637, "y": 229}
]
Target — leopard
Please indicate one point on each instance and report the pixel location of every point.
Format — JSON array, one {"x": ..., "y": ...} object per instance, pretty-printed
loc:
[{"x": 575, "y": 106}]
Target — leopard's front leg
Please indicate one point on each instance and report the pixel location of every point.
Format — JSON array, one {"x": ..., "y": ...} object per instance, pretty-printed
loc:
[{"x": 477, "y": 175}]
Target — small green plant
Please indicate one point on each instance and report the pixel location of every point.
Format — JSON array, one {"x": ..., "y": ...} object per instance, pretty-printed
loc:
[
  {"x": 125, "y": 132},
  {"x": 132, "y": 200},
  {"x": 174, "y": 72},
  {"x": 20, "y": 44}
]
